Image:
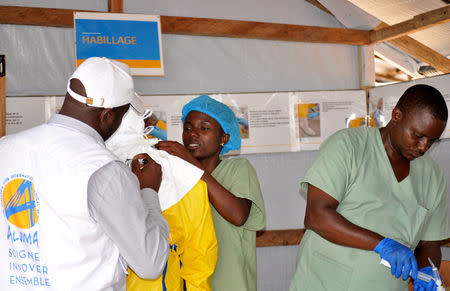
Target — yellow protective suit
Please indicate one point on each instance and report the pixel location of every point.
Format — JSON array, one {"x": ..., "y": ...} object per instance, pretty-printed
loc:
[{"x": 193, "y": 246}]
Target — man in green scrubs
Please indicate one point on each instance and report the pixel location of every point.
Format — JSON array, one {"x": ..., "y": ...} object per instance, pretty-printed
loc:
[{"x": 374, "y": 193}]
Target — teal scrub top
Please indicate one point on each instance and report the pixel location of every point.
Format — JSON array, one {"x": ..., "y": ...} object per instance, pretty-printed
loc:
[
  {"x": 352, "y": 166},
  {"x": 236, "y": 263}
]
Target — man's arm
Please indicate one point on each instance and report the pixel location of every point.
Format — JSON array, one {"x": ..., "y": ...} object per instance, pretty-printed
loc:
[
  {"x": 232, "y": 208},
  {"x": 321, "y": 216},
  {"x": 428, "y": 249},
  {"x": 425, "y": 250},
  {"x": 139, "y": 230}
]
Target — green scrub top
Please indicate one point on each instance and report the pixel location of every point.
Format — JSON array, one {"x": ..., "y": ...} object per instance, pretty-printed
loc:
[
  {"x": 352, "y": 166},
  {"x": 236, "y": 263}
]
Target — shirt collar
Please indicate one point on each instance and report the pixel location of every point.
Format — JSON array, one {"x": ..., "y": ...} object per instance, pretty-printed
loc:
[{"x": 75, "y": 124}]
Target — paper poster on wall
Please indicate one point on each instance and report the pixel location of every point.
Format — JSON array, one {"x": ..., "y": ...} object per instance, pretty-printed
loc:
[
  {"x": 263, "y": 118},
  {"x": 314, "y": 116},
  {"x": 134, "y": 39},
  {"x": 53, "y": 105},
  {"x": 25, "y": 112},
  {"x": 377, "y": 116},
  {"x": 166, "y": 115},
  {"x": 269, "y": 122},
  {"x": 390, "y": 94}
]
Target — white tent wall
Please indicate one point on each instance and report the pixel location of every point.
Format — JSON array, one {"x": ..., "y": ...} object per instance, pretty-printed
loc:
[
  {"x": 280, "y": 175},
  {"x": 194, "y": 64},
  {"x": 40, "y": 59},
  {"x": 440, "y": 153}
]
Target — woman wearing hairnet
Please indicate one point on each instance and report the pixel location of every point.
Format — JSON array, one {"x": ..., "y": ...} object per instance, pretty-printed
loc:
[{"x": 210, "y": 129}]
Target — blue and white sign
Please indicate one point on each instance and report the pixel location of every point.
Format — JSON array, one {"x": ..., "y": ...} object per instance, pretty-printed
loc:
[{"x": 134, "y": 39}]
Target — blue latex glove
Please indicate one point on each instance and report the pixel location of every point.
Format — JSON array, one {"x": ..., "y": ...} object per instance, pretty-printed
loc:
[
  {"x": 313, "y": 115},
  {"x": 420, "y": 285},
  {"x": 158, "y": 133},
  {"x": 400, "y": 257},
  {"x": 243, "y": 121}
]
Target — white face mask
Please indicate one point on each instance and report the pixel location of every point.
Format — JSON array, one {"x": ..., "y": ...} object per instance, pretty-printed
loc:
[
  {"x": 178, "y": 176},
  {"x": 131, "y": 129}
]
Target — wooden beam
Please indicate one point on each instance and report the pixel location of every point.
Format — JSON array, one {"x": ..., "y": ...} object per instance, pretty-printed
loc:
[
  {"x": 420, "y": 51},
  {"x": 410, "y": 45},
  {"x": 320, "y": 6},
  {"x": 268, "y": 238},
  {"x": 387, "y": 78},
  {"x": 201, "y": 26},
  {"x": 423, "y": 53},
  {"x": 115, "y": 6},
  {"x": 417, "y": 23},
  {"x": 2, "y": 96},
  {"x": 36, "y": 16},
  {"x": 262, "y": 30}
]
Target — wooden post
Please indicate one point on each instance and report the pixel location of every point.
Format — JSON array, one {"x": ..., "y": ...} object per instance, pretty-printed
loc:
[
  {"x": 115, "y": 6},
  {"x": 366, "y": 73},
  {"x": 2, "y": 96}
]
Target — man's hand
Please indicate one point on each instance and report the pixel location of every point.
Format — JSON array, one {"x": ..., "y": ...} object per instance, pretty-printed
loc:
[
  {"x": 420, "y": 285},
  {"x": 147, "y": 171},
  {"x": 400, "y": 257}
]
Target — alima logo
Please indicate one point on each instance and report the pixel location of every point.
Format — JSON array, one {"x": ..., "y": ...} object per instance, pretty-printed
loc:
[{"x": 19, "y": 203}]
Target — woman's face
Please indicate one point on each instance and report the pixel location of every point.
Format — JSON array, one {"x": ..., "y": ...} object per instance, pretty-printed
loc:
[{"x": 202, "y": 135}]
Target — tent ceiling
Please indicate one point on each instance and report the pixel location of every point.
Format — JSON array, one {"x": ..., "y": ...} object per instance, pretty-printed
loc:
[
  {"x": 408, "y": 53},
  {"x": 367, "y": 14},
  {"x": 395, "y": 11}
]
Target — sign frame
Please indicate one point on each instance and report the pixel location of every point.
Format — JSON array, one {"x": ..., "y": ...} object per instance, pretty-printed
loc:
[{"x": 134, "y": 39}]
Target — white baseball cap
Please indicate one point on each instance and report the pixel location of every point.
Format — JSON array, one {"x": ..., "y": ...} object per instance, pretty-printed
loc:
[{"x": 108, "y": 84}]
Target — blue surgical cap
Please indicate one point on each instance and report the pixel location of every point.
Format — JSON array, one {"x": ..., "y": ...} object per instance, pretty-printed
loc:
[{"x": 222, "y": 114}]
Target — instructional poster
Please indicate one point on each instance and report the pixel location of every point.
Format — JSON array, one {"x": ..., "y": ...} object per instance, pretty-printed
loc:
[
  {"x": 317, "y": 115},
  {"x": 166, "y": 111},
  {"x": 268, "y": 122},
  {"x": 263, "y": 118},
  {"x": 24, "y": 112},
  {"x": 386, "y": 97}
]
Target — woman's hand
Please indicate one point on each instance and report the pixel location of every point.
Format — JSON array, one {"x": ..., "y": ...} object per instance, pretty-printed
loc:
[
  {"x": 234, "y": 209},
  {"x": 177, "y": 149}
]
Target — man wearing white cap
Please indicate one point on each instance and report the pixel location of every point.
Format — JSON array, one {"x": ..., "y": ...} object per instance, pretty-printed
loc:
[{"x": 73, "y": 216}]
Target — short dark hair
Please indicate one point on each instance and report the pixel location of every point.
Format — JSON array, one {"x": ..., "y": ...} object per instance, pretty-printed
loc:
[{"x": 422, "y": 96}]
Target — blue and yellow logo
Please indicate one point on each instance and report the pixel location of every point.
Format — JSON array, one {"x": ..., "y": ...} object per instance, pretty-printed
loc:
[{"x": 19, "y": 202}]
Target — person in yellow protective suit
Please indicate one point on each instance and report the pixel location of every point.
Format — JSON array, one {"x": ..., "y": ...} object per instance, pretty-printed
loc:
[
  {"x": 184, "y": 203},
  {"x": 193, "y": 246}
]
